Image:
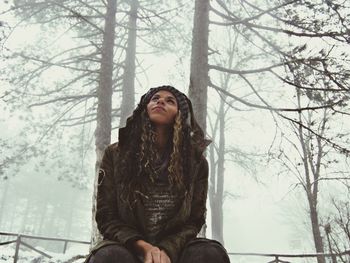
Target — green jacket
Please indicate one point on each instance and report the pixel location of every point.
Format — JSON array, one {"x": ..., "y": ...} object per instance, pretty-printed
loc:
[{"x": 118, "y": 223}]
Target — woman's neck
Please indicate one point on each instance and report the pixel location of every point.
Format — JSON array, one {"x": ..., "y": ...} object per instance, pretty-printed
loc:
[{"x": 162, "y": 137}]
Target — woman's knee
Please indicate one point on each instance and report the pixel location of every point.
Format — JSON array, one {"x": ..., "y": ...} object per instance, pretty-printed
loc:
[
  {"x": 204, "y": 250},
  {"x": 112, "y": 254}
]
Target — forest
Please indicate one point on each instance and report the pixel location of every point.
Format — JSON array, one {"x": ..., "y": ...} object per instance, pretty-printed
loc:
[{"x": 269, "y": 81}]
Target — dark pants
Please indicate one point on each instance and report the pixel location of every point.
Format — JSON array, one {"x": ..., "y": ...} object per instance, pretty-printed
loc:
[{"x": 196, "y": 251}]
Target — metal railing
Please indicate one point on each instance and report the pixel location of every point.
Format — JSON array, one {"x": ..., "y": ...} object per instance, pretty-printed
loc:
[
  {"x": 19, "y": 241},
  {"x": 276, "y": 258}
]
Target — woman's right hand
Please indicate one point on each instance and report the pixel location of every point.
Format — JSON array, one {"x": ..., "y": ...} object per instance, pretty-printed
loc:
[{"x": 151, "y": 254}]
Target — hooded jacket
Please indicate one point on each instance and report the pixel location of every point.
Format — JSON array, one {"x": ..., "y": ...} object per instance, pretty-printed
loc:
[{"x": 119, "y": 223}]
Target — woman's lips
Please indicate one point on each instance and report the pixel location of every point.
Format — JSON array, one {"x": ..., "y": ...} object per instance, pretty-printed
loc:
[{"x": 158, "y": 109}]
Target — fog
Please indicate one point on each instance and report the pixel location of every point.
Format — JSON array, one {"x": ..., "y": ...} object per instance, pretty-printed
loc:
[{"x": 50, "y": 61}]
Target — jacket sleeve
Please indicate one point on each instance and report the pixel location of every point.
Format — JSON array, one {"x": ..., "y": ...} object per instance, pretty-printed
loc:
[
  {"x": 107, "y": 216},
  {"x": 174, "y": 243}
]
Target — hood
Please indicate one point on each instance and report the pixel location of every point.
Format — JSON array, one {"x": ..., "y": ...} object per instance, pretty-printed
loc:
[{"x": 133, "y": 127}]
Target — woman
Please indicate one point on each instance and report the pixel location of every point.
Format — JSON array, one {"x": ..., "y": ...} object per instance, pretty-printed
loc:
[{"x": 152, "y": 187}]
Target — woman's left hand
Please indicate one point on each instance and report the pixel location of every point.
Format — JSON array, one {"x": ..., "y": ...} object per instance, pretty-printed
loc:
[{"x": 164, "y": 258}]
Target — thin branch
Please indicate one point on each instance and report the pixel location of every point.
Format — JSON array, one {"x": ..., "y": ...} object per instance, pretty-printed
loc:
[
  {"x": 303, "y": 87},
  {"x": 330, "y": 179},
  {"x": 70, "y": 98},
  {"x": 272, "y": 108},
  {"x": 263, "y": 12},
  {"x": 334, "y": 145},
  {"x": 260, "y": 70}
]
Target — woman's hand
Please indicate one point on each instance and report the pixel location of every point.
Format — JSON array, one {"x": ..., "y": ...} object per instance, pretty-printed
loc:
[
  {"x": 151, "y": 254},
  {"x": 155, "y": 255},
  {"x": 164, "y": 257}
]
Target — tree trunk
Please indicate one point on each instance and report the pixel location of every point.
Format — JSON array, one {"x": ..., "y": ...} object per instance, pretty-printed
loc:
[
  {"x": 3, "y": 200},
  {"x": 25, "y": 218},
  {"x": 104, "y": 96},
  {"x": 69, "y": 215},
  {"x": 199, "y": 61},
  {"x": 43, "y": 213},
  {"x": 218, "y": 227},
  {"x": 212, "y": 182},
  {"x": 315, "y": 168},
  {"x": 128, "y": 89},
  {"x": 199, "y": 66},
  {"x": 311, "y": 188},
  {"x": 316, "y": 229},
  {"x": 216, "y": 192}
]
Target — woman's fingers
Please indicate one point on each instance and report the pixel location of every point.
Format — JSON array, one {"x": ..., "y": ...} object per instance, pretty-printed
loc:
[
  {"x": 148, "y": 258},
  {"x": 164, "y": 258},
  {"x": 152, "y": 256},
  {"x": 156, "y": 255}
]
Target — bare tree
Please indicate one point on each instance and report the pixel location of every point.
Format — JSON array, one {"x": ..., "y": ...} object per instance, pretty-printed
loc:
[
  {"x": 216, "y": 188},
  {"x": 313, "y": 150},
  {"x": 128, "y": 88},
  {"x": 104, "y": 94},
  {"x": 69, "y": 101},
  {"x": 217, "y": 165},
  {"x": 338, "y": 229},
  {"x": 262, "y": 27},
  {"x": 312, "y": 173},
  {"x": 325, "y": 93},
  {"x": 199, "y": 61}
]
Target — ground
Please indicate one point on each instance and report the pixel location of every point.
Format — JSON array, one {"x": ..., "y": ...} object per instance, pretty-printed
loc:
[{"x": 26, "y": 256}]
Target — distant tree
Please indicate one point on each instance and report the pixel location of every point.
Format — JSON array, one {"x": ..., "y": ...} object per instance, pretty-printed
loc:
[
  {"x": 274, "y": 39},
  {"x": 217, "y": 169},
  {"x": 315, "y": 153},
  {"x": 312, "y": 159},
  {"x": 338, "y": 229},
  {"x": 278, "y": 34},
  {"x": 128, "y": 87},
  {"x": 221, "y": 152},
  {"x": 218, "y": 152},
  {"x": 92, "y": 69},
  {"x": 71, "y": 100}
]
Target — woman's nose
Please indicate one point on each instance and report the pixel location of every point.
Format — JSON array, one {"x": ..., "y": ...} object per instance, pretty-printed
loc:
[{"x": 160, "y": 101}]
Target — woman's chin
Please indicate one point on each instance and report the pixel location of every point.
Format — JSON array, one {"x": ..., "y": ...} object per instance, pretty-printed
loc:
[{"x": 157, "y": 121}]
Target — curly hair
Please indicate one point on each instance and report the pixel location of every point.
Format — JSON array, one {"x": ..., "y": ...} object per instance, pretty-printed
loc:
[
  {"x": 137, "y": 159},
  {"x": 176, "y": 161}
]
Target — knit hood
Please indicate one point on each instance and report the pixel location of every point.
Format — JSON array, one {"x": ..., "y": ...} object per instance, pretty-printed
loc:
[{"x": 190, "y": 125}]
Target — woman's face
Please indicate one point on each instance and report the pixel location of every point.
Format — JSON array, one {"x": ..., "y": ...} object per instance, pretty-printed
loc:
[{"x": 162, "y": 108}]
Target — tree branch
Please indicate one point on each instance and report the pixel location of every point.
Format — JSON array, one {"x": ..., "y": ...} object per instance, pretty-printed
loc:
[
  {"x": 334, "y": 145},
  {"x": 70, "y": 98},
  {"x": 271, "y": 108},
  {"x": 260, "y": 70}
]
